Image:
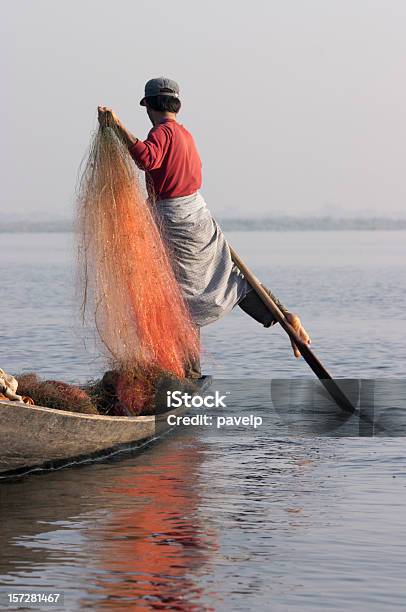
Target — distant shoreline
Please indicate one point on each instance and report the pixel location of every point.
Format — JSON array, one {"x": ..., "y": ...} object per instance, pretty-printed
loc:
[{"x": 276, "y": 224}]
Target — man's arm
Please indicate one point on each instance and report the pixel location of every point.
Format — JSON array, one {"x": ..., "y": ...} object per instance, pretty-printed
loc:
[
  {"x": 128, "y": 138},
  {"x": 147, "y": 154},
  {"x": 108, "y": 117}
]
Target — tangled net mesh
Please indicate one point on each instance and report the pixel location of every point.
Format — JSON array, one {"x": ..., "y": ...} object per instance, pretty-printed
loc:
[
  {"x": 56, "y": 394},
  {"x": 126, "y": 279}
]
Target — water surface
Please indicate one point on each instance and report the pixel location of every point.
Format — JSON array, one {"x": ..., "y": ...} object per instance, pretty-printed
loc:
[{"x": 236, "y": 520}]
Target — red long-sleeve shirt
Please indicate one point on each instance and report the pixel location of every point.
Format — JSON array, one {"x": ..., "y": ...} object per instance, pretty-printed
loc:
[{"x": 170, "y": 159}]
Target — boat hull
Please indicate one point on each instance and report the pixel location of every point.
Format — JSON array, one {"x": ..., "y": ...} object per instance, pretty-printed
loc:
[{"x": 45, "y": 438}]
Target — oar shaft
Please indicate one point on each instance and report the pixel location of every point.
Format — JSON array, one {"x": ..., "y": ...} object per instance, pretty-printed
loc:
[
  {"x": 278, "y": 314},
  {"x": 304, "y": 349}
]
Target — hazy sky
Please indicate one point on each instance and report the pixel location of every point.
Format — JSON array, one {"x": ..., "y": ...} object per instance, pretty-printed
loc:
[{"x": 297, "y": 107}]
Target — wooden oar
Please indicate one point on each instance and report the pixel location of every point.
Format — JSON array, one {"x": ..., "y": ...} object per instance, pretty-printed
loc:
[{"x": 328, "y": 382}]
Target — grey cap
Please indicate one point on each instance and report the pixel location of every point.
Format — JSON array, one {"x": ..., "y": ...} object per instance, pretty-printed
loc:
[{"x": 160, "y": 86}]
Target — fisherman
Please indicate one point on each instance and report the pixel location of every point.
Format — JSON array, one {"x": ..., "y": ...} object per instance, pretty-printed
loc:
[{"x": 211, "y": 284}]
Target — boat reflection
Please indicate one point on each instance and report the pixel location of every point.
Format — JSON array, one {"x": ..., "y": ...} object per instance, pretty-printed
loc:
[
  {"x": 135, "y": 523},
  {"x": 155, "y": 546}
]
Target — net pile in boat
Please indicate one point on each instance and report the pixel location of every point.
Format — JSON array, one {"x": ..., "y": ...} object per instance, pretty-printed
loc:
[
  {"x": 56, "y": 394},
  {"x": 128, "y": 284}
]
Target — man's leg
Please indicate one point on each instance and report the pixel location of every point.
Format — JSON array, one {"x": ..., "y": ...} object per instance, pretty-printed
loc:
[
  {"x": 255, "y": 307},
  {"x": 193, "y": 367}
]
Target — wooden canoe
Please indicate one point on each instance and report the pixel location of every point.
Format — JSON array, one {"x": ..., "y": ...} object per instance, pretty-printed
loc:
[{"x": 36, "y": 438}]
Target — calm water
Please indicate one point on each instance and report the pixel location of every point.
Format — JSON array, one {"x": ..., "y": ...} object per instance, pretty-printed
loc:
[{"x": 245, "y": 519}]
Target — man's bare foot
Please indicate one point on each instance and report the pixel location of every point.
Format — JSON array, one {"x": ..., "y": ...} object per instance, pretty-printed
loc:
[{"x": 296, "y": 323}]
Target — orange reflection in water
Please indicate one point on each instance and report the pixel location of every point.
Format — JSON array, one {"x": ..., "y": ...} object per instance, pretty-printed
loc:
[{"x": 157, "y": 544}]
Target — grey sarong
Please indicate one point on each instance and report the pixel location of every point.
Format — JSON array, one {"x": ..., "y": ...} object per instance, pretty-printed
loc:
[{"x": 211, "y": 284}]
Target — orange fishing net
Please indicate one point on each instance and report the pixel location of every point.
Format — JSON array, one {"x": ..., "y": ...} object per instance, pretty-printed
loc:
[
  {"x": 126, "y": 277},
  {"x": 56, "y": 394}
]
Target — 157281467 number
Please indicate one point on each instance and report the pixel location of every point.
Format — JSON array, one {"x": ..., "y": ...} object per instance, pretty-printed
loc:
[{"x": 37, "y": 598}]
